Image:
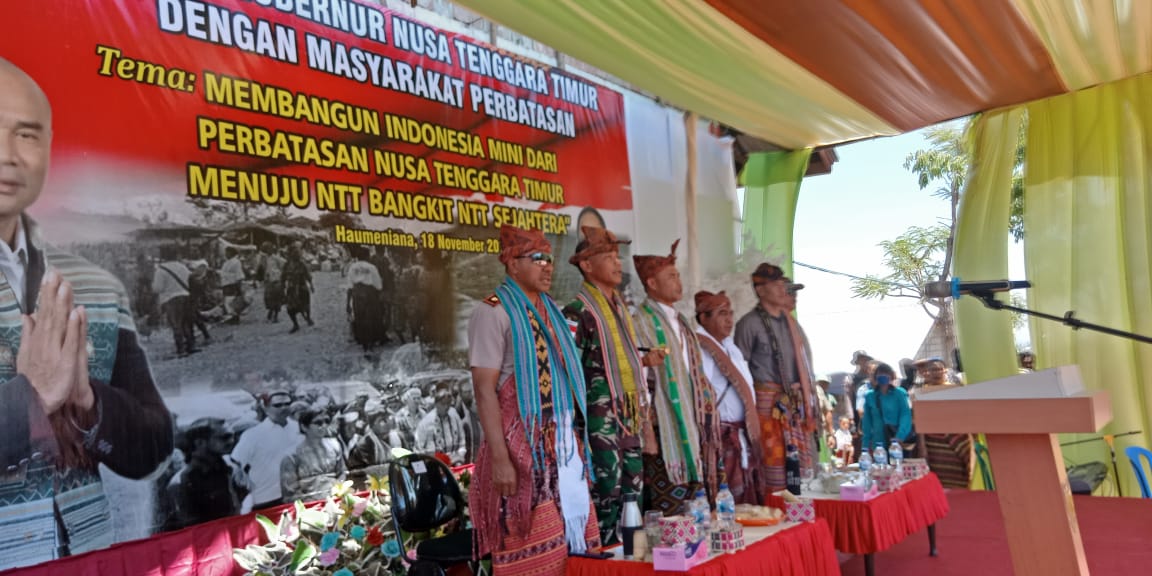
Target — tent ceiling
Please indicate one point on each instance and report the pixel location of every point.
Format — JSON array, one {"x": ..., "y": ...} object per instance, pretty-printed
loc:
[{"x": 819, "y": 72}]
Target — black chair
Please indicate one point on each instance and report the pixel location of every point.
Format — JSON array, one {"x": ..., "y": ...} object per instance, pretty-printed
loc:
[{"x": 425, "y": 497}]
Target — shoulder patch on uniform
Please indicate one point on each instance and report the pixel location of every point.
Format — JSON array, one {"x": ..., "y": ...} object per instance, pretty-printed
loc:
[{"x": 492, "y": 300}]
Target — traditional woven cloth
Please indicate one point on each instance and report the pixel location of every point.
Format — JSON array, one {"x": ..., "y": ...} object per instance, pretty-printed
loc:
[
  {"x": 789, "y": 413},
  {"x": 689, "y": 428},
  {"x": 546, "y": 387},
  {"x": 606, "y": 338}
]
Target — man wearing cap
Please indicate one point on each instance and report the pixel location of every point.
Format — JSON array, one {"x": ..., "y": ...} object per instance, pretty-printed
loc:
[
  {"x": 780, "y": 363},
  {"x": 724, "y": 366},
  {"x": 529, "y": 496},
  {"x": 613, "y": 370},
  {"x": 686, "y": 454}
]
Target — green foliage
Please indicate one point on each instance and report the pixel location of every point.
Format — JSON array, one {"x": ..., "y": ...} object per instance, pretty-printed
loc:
[{"x": 912, "y": 259}]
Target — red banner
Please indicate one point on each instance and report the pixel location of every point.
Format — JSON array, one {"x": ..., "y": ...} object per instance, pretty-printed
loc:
[{"x": 301, "y": 200}]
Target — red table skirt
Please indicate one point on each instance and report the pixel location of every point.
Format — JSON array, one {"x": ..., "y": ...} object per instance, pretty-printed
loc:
[
  {"x": 803, "y": 550},
  {"x": 201, "y": 550},
  {"x": 884, "y": 521}
]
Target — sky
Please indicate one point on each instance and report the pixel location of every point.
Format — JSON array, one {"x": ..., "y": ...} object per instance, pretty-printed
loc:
[{"x": 840, "y": 220}]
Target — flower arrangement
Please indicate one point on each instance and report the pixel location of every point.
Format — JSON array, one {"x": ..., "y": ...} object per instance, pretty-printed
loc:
[{"x": 345, "y": 535}]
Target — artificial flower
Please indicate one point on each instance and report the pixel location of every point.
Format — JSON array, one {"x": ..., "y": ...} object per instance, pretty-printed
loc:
[
  {"x": 329, "y": 541},
  {"x": 329, "y": 557},
  {"x": 359, "y": 508},
  {"x": 358, "y": 532},
  {"x": 390, "y": 549},
  {"x": 375, "y": 537},
  {"x": 341, "y": 489},
  {"x": 342, "y": 572}
]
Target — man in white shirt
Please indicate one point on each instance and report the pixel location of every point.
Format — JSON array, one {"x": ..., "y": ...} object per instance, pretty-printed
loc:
[
  {"x": 725, "y": 368},
  {"x": 262, "y": 447}
]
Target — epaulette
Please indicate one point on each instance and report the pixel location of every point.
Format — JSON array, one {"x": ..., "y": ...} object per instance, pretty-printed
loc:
[{"x": 492, "y": 300}]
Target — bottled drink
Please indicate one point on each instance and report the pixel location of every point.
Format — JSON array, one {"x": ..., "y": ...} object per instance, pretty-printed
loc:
[
  {"x": 630, "y": 523},
  {"x": 703, "y": 513},
  {"x": 792, "y": 470},
  {"x": 865, "y": 463},
  {"x": 725, "y": 508},
  {"x": 879, "y": 456},
  {"x": 896, "y": 454}
]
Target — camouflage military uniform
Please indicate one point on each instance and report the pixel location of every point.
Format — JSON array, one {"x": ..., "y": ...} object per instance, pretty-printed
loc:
[{"x": 616, "y": 459}]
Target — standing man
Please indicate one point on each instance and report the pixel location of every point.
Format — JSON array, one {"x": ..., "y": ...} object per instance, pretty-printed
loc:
[
  {"x": 529, "y": 496},
  {"x": 617, "y": 398},
  {"x": 724, "y": 366},
  {"x": 76, "y": 390},
  {"x": 170, "y": 283},
  {"x": 780, "y": 363},
  {"x": 686, "y": 455},
  {"x": 262, "y": 447}
]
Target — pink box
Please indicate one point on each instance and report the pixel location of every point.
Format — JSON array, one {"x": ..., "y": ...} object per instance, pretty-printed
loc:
[
  {"x": 802, "y": 511},
  {"x": 677, "y": 530},
  {"x": 679, "y": 557},
  {"x": 915, "y": 468},
  {"x": 857, "y": 493},
  {"x": 888, "y": 479},
  {"x": 729, "y": 540}
]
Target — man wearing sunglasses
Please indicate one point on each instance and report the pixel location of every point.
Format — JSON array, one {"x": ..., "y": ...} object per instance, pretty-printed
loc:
[
  {"x": 264, "y": 446},
  {"x": 686, "y": 455},
  {"x": 529, "y": 497}
]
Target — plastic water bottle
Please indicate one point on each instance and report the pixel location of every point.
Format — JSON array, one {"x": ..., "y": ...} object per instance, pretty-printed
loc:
[
  {"x": 725, "y": 508},
  {"x": 703, "y": 513},
  {"x": 630, "y": 523},
  {"x": 896, "y": 454},
  {"x": 865, "y": 462},
  {"x": 880, "y": 456}
]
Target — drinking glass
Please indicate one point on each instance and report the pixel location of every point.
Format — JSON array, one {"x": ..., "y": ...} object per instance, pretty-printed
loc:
[
  {"x": 652, "y": 527},
  {"x": 807, "y": 475}
]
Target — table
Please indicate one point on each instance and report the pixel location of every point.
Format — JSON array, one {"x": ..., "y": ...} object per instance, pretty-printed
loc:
[
  {"x": 882, "y": 522},
  {"x": 803, "y": 549}
]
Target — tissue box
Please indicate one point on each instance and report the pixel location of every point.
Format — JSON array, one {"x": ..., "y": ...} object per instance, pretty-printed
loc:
[
  {"x": 729, "y": 540},
  {"x": 677, "y": 530},
  {"x": 857, "y": 492},
  {"x": 915, "y": 468},
  {"x": 802, "y": 511},
  {"x": 679, "y": 557},
  {"x": 887, "y": 479}
]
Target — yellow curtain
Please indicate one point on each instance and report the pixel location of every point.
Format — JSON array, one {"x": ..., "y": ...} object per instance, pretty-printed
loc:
[
  {"x": 987, "y": 346},
  {"x": 1088, "y": 228}
]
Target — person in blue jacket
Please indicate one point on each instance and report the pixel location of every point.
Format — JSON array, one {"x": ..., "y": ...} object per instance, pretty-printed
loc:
[{"x": 887, "y": 413}]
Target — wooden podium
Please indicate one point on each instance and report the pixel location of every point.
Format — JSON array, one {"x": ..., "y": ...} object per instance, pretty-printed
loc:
[{"x": 1020, "y": 415}]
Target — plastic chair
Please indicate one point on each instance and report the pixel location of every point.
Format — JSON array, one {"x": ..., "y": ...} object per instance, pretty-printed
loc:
[
  {"x": 1134, "y": 454},
  {"x": 425, "y": 497},
  {"x": 985, "y": 466}
]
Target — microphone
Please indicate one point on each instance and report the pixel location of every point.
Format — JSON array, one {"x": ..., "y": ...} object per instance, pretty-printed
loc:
[{"x": 955, "y": 288}]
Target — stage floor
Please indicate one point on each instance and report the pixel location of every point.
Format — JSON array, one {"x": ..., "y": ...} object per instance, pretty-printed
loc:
[{"x": 1117, "y": 536}]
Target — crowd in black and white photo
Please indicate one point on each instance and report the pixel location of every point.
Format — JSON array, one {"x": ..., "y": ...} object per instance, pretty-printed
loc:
[{"x": 298, "y": 443}]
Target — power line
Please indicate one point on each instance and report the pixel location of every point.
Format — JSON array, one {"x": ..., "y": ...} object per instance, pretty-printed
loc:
[{"x": 853, "y": 276}]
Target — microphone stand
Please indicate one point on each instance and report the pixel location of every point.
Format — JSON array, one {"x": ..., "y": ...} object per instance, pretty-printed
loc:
[
  {"x": 1069, "y": 318},
  {"x": 1110, "y": 440}
]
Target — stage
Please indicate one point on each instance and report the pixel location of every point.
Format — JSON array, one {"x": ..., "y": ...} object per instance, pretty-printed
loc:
[{"x": 1117, "y": 535}]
